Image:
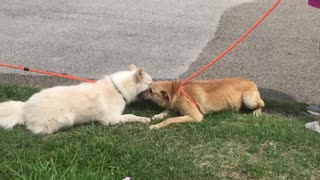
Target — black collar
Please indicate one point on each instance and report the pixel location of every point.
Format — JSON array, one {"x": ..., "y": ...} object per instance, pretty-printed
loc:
[{"x": 119, "y": 91}]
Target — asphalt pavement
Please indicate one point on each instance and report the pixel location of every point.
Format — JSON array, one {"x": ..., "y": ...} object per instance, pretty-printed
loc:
[
  {"x": 94, "y": 38},
  {"x": 169, "y": 39}
]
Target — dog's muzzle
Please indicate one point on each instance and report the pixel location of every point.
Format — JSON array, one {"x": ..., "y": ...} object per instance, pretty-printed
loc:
[{"x": 144, "y": 95}]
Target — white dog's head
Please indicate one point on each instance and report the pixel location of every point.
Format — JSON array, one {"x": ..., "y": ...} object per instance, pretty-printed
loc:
[
  {"x": 132, "y": 82},
  {"x": 142, "y": 79}
]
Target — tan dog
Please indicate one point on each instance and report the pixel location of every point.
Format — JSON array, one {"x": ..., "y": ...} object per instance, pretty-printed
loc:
[{"x": 210, "y": 96}]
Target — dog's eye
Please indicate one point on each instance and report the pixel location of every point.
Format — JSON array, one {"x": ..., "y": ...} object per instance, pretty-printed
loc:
[{"x": 150, "y": 90}]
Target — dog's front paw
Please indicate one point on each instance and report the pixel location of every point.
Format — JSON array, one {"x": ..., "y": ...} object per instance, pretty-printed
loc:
[
  {"x": 145, "y": 120},
  {"x": 158, "y": 116},
  {"x": 156, "y": 126}
]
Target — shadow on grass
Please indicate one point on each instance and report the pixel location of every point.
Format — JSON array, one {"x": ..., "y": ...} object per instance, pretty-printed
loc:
[{"x": 284, "y": 104}]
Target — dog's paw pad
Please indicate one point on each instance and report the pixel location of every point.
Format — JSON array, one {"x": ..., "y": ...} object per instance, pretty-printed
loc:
[{"x": 256, "y": 113}]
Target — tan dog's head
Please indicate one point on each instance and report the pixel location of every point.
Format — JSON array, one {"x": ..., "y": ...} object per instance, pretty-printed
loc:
[{"x": 160, "y": 92}]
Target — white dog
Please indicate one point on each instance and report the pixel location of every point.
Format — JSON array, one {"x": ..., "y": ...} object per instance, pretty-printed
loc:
[{"x": 63, "y": 106}]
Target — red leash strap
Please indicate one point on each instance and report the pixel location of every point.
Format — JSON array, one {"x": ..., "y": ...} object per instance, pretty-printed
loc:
[
  {"x": 226, "y": 51},
  {"x": 65, "y": 76},
  {"x": 191, "y": 99}
]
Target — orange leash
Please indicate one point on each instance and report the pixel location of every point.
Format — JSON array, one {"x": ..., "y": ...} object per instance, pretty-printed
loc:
[
  {"x": 224, "y": 53},
  {"x": 191, "y": 99},
  {"x": 65, "y": 76}
]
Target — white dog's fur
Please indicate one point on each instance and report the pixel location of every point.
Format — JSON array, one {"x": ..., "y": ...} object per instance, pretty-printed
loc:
[{"x": 63, "y": 106}]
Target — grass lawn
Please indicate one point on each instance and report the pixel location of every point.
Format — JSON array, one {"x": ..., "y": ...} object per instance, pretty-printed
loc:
[{"x": 225, "y": 145}]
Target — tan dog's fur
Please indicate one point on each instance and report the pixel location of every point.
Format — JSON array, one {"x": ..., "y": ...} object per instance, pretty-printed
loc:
[{"x": 210, "y": 95}]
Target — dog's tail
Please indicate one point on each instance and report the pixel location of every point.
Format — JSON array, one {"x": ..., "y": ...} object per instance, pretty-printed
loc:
[{"x": 11, "y": 114}]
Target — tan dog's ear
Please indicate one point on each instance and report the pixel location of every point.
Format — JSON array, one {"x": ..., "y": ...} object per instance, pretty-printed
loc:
[
  {"x": 165, "y": 95},
  {"x": 139, "y": 75},
  {"x": 133, "y": 67}
]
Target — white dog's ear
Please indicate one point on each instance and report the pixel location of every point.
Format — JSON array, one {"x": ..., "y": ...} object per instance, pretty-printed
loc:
[
  {"x": 133, "y": 67},
  {"x": 139, "y": 75}
]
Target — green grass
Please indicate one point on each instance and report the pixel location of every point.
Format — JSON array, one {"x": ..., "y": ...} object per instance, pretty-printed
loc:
[{"x": 225, "y": 145}]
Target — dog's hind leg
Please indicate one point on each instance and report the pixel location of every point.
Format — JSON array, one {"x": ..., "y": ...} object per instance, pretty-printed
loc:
[
  {"x": 45, "y": 124},
  {"x": 253, "y": 101}
]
